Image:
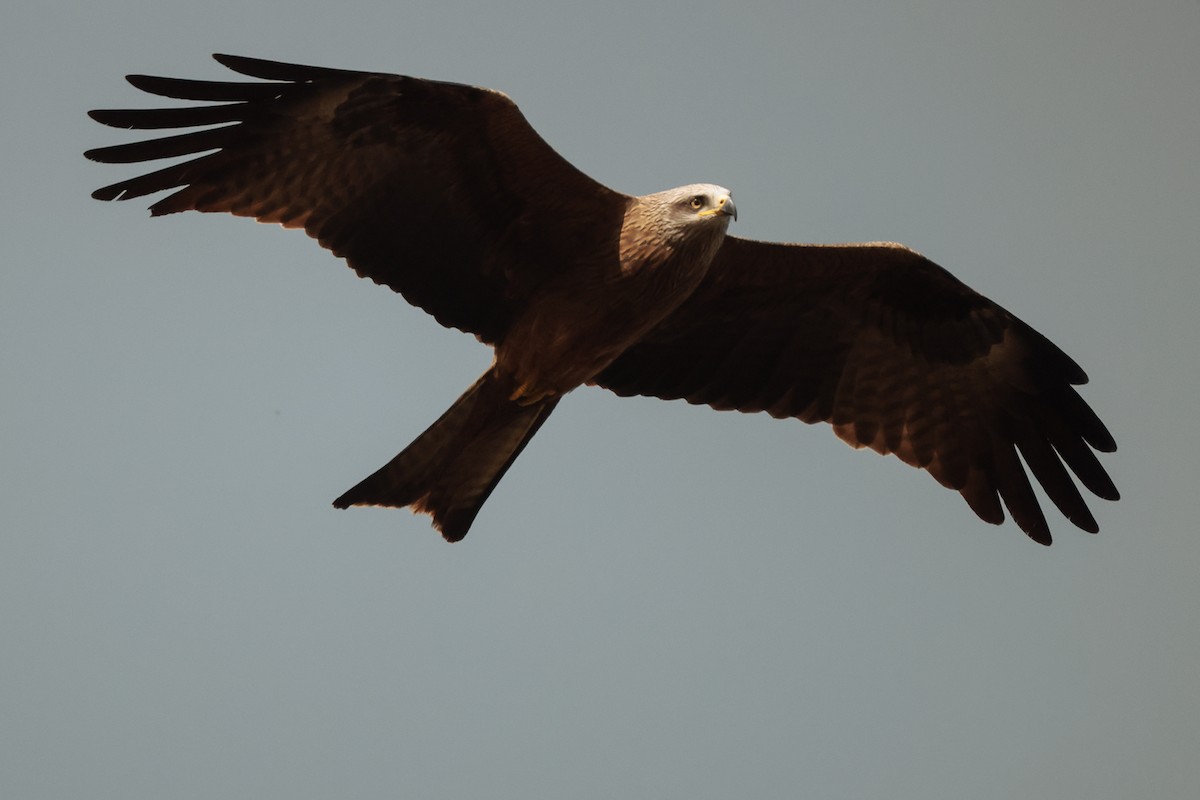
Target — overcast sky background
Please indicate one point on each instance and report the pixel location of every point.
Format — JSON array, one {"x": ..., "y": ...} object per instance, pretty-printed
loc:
[{"x": 659, "y": 601}]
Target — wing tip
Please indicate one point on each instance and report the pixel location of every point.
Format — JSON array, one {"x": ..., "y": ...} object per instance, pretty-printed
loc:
[
  {"x": 240, "y": 63},
  {"x": 142, "y": 82},
  {"x": 284, "y": 71}
]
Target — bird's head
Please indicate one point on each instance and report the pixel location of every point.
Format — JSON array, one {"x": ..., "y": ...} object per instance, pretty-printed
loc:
[
  {"x": 688, "y": 221},
  {"x": 704, "y": 202}
]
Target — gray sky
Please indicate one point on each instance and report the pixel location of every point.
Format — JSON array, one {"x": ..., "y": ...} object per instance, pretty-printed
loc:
[{"x": 660, "y": 601}]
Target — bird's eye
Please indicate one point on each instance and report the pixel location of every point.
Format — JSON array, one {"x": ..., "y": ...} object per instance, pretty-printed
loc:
[{"x": 696, "y": 202}]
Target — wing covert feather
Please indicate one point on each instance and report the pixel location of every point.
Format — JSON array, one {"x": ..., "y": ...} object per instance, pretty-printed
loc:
[
  {"x": 441, "y": 191},
  {"x": 895, "y": 353}
]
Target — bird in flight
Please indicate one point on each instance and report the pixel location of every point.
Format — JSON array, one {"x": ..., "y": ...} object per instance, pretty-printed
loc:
[{"x": 445, "y": 194}]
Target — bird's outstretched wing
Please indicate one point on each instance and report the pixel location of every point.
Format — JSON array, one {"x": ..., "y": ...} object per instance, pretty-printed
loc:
[
  {"x": 441, "y": 191},
  {"x": 898, "y": 355}
]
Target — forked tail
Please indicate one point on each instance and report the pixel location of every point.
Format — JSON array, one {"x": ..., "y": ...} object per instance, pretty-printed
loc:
[{"x": 450, "y": 469}]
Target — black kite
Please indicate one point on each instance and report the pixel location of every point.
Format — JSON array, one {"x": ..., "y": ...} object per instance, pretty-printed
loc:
[{"x": 445, "y": 194}]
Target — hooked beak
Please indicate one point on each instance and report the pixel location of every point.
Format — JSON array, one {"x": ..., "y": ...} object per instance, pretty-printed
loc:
[{"x": 724, "y": 206}]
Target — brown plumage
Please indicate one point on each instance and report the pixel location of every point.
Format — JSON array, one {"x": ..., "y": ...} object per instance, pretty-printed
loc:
[{"x": 445, "y": 194}]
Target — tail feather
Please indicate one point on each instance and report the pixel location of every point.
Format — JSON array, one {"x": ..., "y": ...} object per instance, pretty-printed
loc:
[{"x": 450, "y": 470}]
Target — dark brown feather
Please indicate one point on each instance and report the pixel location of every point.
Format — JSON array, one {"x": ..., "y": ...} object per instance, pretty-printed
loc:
[
  {"x": 450, "y": 470},
  {"x": 430, "y": 188},
  {"x": 898, "y": 355}
]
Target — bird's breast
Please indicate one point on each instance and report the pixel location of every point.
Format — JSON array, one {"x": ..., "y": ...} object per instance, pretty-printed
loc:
[{"x": 572, "y": 330}]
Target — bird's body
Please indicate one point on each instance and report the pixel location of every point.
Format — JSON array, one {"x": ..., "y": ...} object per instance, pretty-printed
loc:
[
  {"x": 445, "y": 194},
  {"x": 584, "y": 319},
  {"x": 573, "y": 327}
]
